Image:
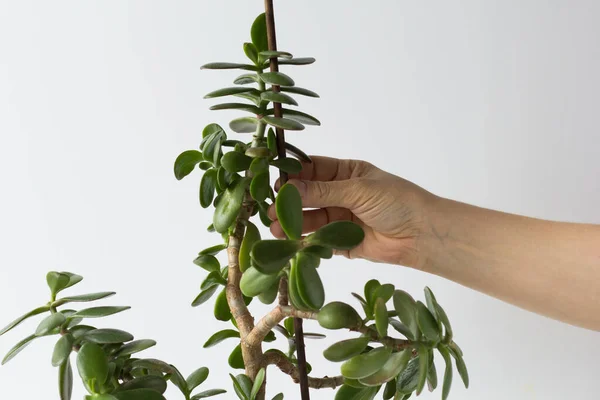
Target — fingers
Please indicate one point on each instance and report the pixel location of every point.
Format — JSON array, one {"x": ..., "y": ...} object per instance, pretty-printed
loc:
[
  {"x": 331, "y": 169},
  {"x": 313, "y": 219}
]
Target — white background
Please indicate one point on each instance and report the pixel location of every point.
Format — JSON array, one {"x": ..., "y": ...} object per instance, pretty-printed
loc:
[{"x": 492, "y": 103}]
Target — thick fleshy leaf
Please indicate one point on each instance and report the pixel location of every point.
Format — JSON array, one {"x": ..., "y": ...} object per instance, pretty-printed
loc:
[
  {"x": 276, "y": 78},
  {"x": 62, "y": 350},
  {"x": 204, "y": 296},
  {"x": 229, "y": 206},
  {"x": 295, "y": 299},
  {"x": 208, "y": 393},
  {"x": 424, "y": 363},
  {"x": 268, "y": 296},
  {"x": 251, "y": 236},
  {"x": 370, "y": 289},
  {"x": 220, "y": 336},
  {"x": 49, "y": 323},
  {"x": 297, "y": 61},
  {"x": 275, "y": 54},
  {"x": 213, "y": 250},
  {"x": 179, "y": 381},
  {"x": 226, "y": 65},
  {"x": 427, "y": 323},
  {"x": 262, "y": 212},
  {"x": 345, "y": 349},
  {"x": 347, "y": 392},
  {"x": 299, "y": 90},
  {"x": 236, "y": 106},
  {"x": 338, "y": 315},
  {"x": 74, "y": 279},
  {"x": 258, "y": 33},
  {"x": 381, "y": 317},
  {"x": 310, "y": 286},
  {"x": 97, "y": 312},
  {"x": 401, "y": 328},
  {"x": 212, "y": 279},
  {"x": 236, "y": 360},
  {"x": 258, "y": 381},
  {"x": 277, "y": 97},
  {"x": 270, "y": 256},
  {"x": 83, "y": 298},
  {"x": 139, "y": 394},
  {"x": 246, "y": 79},
  {"x": 65, "y": 381},
  {"x": 409, "y": 378},
  {"x": 244, "y": 124},
  {"x": 260, "y": 186},
  {"x": 289, "y": 165},
  {"x": 156, "y": 383},
  {"x": 196, "y": 378},
  {"x": 135, "y": 347},
  {"x": 393, "y": 366},
  {"x": 385, "y": 292},
  {"x": 221, "y": 310},
  {"x": 106, "y": 336},
  {"x": 365, "y": 364},
  {"x": 208, "y": 262},
  {"x": 251, "y": 52},
  {"x": 288, "y": 205},
  {"x": 18, "y": 348},
  {"x": 272, "y": 141},
  {"x": 389, "y": 390},
  {"x": 339, "y": 235},
  {"x": 299, "y": 116},
  {"x": 254, "y": 282},
  {"x": 22, "y": 318},
  {"x": 406, "y": 308},
  {"x": 235, "y": 162},
  {"x": 447, "y": 372},
  {"x": 259, "y": 164},
  {"x": 318, "y": 251},
  {"x": 446, "y": 322},
  {"x": 432, "y": 380},
  {"x": 56, "y": 281},
  {"x": 79, "y": 330},
  {"x": 460, "y": 366},
  {"x": 296, "y": 152},
  {"x": 92, "y": 363},
  {"x": 252, "y": 95},
  {"x": 152, "y": 364},
  {"x": 207, "y": 187},
  {"x": 431, "y": 306},
  {"x": 228, "y": 91},
  {"x": 186, "y": 162}
]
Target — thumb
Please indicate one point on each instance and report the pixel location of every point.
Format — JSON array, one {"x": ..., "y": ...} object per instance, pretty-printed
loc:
[{"x": 317, "y": 194}]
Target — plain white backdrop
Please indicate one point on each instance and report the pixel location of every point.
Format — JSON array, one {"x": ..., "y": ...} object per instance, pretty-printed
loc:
[{"x": 487, "y": 102}]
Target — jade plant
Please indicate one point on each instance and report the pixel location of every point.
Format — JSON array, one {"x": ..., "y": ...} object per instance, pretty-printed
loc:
[{"x": 237, "y": 182}]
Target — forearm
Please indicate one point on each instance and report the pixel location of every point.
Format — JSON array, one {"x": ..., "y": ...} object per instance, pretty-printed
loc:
[{"x": 551, "y": 268}]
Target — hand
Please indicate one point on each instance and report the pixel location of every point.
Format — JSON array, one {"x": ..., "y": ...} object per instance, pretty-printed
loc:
[{"x": 390, "y": 209}]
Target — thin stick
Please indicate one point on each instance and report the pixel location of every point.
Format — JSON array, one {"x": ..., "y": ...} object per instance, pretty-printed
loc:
[{"x": 283, "y": 177}]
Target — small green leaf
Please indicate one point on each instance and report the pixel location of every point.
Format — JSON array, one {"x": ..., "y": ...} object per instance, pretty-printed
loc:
[
  {"x": 135, "y": 347},
  {"x": 213, "y": 250},
  {"x": 152, "y": 364},
  {"x": 272, "y": 141},
  {"x": 251, "y": 236},
  {"x": 228, "y": 91},
  {"x": 270, "y": 256},
  {"x": 207, "y": 187},
  {"x": 276, "y": 78},
  {"x": 18, "y": 348},
  {"x": 298, "y": 90},
  {"x": 310, "y": 286},
  {"x": 56, "y": 282},
  {"x": 208, "y": 393},
  {"x": 381, "y": 317},
  {"x": 389, "y": 390},
  {"x": 460, "y": 366},
  {"x": 365, "y": 364},
  {"x": 226, "y": 65},
  {"x": 431, "y": 306},
  {"x": 275, "y": 54},
  {"x": 220, "y": 336},
  {"x": 258, "y": 33},
  {"x": 385, "y": 292},
  {"x": 260, "y": 186},
  {"x": 204, "y": 296},
  {"x": 278, "y": 396},
  {"x": 259, "y": 164},
  {"x": 208, "y": 262},
  {"x": 22, "y": 318},
  {"x": 288, "y": 205},
  {"x": 432, "y": 380},
  {"x": 236, "y": 162},
  {"x": 212, "y": 279},
  {"x": 296, "y": 152},
  {"x": 427, "y": 323},
  {"x": 298, "y": 116},
  {"x": 295, "y": 299},
  {"x": 339, "y": 235},
  {"x": 254, "y": 282},
  {"x": 106, "y": 336},
  {"x": 268, "y": 296},
  {"x": 289, "y": 165},
  {"x": 196, "y": 378},
  {"x": 297, "y": 61},
  {"x": 258, "y": 381},
  {"x": 97, "y": 312},
  {"x": 65, "y": 380},
  {"x": 318, "y": 251},
  {"x": 236, "y": 106},
  {"x": 447, "y": 373},
  {"x": 405, "y": 306},
  {"x": 282, "y": 98},
  {"x": 401, "y": 328},
  {"x": 155, "y": 383},
  {"x": 236, "y": 360},
  {"x": 409, "y": 378},
  {"x": 338, "y": 315},
  {"x": 244, "y": 125},
  {"x": 83, "y": 298},
  {"x": 139, "y": 394},
  {"x": 251, "y": 52},
  {"x": 49, "y": 323},
  {"x": 346, "y": 349},
  {"x": 92, "y": 363},
  {"x": 446, "y": 322},
  {"x": 62, "y": 350},
  {"x": 186, "y": 162},
  {"x": 423, "y": 368},
  {"x": 393, "y": 366},
  {"x": 229, "y": 206},
  {"x": 179, "y": 381},
  {"x": 221, "y": 311},
  {"x": 246, "y": 79}
]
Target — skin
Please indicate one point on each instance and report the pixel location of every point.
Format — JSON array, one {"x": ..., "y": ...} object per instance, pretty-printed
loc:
[{"x": 551, "y": 268}]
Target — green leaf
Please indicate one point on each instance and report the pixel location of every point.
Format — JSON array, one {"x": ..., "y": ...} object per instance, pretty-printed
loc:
[
  {"x": 298, "y": 116},
  {"x": 406, "y": 308},
  {"x": 390, "y": 390},
  {"x": 220, "y": 336},
  {"x": 179, "y": 381},
  {"x": 385, "y": 292},
  {"x": 212, "y": 279},
  {"x": 259, "y": 164},
  {"x": 423, "y": 368},
  {"x": 204, "y": 296},
  {"x": 208, "y": 393},
  {"x": 288, "y": 205},
  {"x": 49, "y": 323},
  {"x": 275, "y": 54},
  {"x": 346, "y": 349},
  {"x": 139, "y": 394},
  {"x": 299, "y": 90},
  {"x": 297, "y": 61},
  {"x": 347, "y": 392},
  {"x": 260, "y": 186},
  {"x": 135, "y": 347},
  {"x": 251, "y": 236},
  {"x": 236, "y": 360},
  {"x": 97, "y": 312},
  {"x": 365, "y": 364},
  {"x": 221, "y": 310},
  {"x": 79, "y": 330},
  {"x": 155, "y": 383},
  {"x": 226, "y": 65},
  {"x": 258, "y": 33},
  {"x": 74, "y": 279},
  {"x": 208, "y": 262},
  {"x": 213, "y": 250},
  {"x": 246, "y": 79},
  {"x": 83, "y": 298},
  {"x": 278, "y": 396},
  {"x": 409, "y": 378},
  {"x": 186, "y": 162},
  {"x": 251, "y": 52},
  {"x": 338, "y": 315},
  {"x": 230, "y": 205},
  {"x": 446, "y": 322},
  {"x": 381, "y": 317},
  {"x": 339, "y": 235},
  {"x": 62, "y": 350},
  {"x": 276, "y": 78},
  {"x": 56, "y": 282},
  {"x": 236, "y": 106},
  {"x": 22, "y": 318},
  {"x": 244, "y": 125},
  {"x": 228, "y": 91},
  {"x": 268, "y": 296},
  {"x": 18, "y": 348},
  {"x": 289, "y": 165},
  {"x": 460, "y": 366},
  {"x": 254, "y": 282},
  {"x": 152, "y": 364},
  {"x": 277, "y": 97},
  {"x": 272, "y": 141},
  {"x": 196, "y": 378},
  {"x": 393, "y": 366},
  {"x": 270, "y": 256},
  {"x": 296, "y": 152},
  {"x": 318, "y": 251},
  {"x": 258, "y": 381},
  {"x": 65, "y": 380},
  {"x": 295, "y": 299},
  {"x": 207, "y": 187},
  {"x": 427, "y": 323},
  {"x": 401, "y": 328},
  {"x": 431, "y": 306},
  {"x": 253, "y": 95},
  {"x": 235, "y": 162},
  {"x": 432, "y": 380},
  {"x": 447, "y": 373},
  {"x": 262, "y": 212},
  {"x": 106, "y": 336},
  {"x": 370, "y": 288},
  {"x": 92, "y": 363},
  {"x": 310, "y": 286}
]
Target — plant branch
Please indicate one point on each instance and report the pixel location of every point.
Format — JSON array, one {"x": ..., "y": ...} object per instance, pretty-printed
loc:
[
  {"x": 274, "y": 317},
  {"x": 396, "y": 344},
  {"x": 287, "y": 367}
]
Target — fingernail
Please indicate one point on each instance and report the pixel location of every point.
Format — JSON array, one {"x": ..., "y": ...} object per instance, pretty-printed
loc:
[{"x": 300, "y": 185}]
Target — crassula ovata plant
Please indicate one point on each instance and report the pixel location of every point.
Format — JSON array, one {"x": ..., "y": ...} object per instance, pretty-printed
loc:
[{"x": 392, "y": 353}]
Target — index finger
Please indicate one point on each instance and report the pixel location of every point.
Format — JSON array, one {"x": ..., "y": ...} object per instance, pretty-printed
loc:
[{"x": 327, "y": 169}]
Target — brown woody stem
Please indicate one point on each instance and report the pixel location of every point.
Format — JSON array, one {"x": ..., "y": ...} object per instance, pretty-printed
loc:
[{"x": 287, "y": 367}]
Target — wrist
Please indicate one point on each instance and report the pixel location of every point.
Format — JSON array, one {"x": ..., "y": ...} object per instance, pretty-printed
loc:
[{"x": 433, "y": 239}]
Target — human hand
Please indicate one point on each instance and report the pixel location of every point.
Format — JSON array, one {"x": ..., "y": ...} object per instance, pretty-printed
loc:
[{"x": 391, "y": 210}]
